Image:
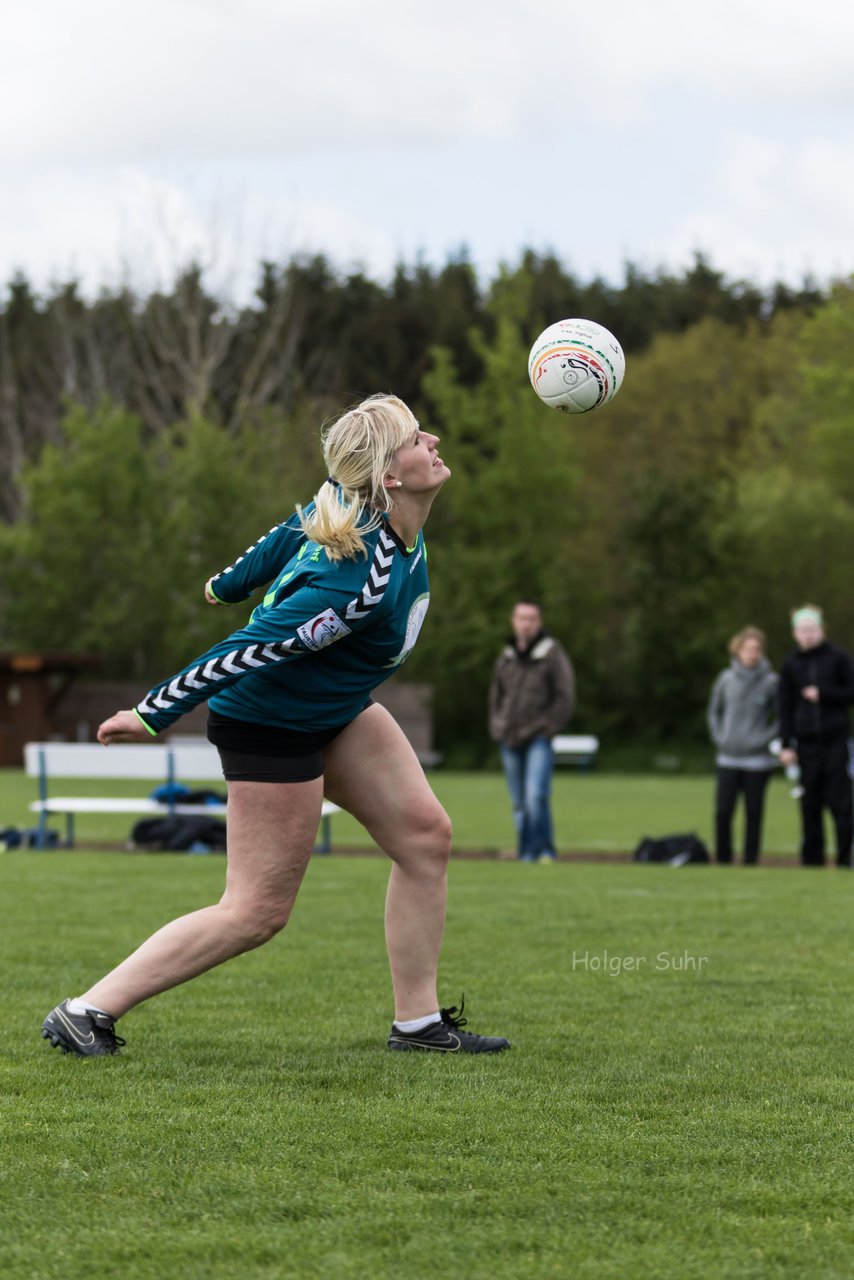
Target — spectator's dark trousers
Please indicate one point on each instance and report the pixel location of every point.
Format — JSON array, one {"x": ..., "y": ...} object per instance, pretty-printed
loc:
[
  {"x": 730, "y": 782},
  {"x": 826, "y": 784}
]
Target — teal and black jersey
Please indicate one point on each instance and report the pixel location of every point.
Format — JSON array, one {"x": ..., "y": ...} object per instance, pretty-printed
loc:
[{"x": 325, "y": 635}]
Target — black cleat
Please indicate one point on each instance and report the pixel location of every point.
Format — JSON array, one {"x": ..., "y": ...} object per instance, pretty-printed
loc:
[
  {"x": 447, "y": 1036},
  {"x": 89, "y": 1035}
]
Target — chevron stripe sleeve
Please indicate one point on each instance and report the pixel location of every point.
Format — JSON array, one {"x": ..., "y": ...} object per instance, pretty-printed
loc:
[
  {"x": 301, "y": 625},
  {"x": 218, "y": 668},
  {"x": 259, "y": 563}
]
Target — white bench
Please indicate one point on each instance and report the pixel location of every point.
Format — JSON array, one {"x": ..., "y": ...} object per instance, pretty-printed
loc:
[
  {"x": 163, "y": 762},
  {"x": 575, "y": 748}
]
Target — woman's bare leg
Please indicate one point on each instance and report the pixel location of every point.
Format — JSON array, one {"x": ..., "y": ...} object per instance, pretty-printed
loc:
[
  {"x": 372, "y": 772},
  {"x": 271, "y": 832}
]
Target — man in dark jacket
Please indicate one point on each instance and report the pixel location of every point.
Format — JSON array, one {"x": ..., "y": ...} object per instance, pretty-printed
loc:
[
  {"x": 816, "y": 689},
  {"x": 531, "y": 696}
]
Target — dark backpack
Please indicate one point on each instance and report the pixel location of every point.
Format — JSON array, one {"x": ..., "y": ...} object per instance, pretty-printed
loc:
[
  {"x": 180, "y": 832},
  {"x": 672, "y": 851}
]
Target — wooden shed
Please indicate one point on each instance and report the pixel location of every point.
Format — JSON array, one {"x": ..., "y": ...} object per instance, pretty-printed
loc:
[{"x": 32, "y": 686}]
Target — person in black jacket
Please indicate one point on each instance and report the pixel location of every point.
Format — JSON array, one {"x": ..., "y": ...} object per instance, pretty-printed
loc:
[{"x": 816, "y": 689}]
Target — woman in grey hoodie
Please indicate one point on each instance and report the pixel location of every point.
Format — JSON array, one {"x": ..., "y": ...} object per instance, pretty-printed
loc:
[{"x": 742, "y": 715}]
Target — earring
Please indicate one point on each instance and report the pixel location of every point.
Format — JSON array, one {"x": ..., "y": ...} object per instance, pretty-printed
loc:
[{"x": 399, "y": 484}]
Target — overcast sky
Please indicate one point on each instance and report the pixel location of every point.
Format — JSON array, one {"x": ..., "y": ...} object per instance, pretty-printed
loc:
[{"x": 134, "y": 136}]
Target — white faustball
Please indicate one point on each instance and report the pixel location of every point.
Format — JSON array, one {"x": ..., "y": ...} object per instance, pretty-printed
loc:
[{"x": 576, "y": 365}]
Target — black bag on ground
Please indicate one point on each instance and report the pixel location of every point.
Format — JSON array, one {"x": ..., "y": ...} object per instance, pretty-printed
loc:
[
  {"x": 673, "y": 851},
  {"x": 29, "y": 838},
  {"x": 179, "y": 832}
]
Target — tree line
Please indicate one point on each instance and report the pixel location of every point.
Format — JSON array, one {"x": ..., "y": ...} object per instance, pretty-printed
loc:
[{"x": 145, "y": 441}]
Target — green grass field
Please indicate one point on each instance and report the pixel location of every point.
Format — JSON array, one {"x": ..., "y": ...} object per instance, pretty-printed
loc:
[
  {"x": 594, "y": 812},
  {"x": 677, "y": 1102}
]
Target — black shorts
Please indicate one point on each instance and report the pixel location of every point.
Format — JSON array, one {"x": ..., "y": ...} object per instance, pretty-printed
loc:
[{"x": 267, "y": 753}]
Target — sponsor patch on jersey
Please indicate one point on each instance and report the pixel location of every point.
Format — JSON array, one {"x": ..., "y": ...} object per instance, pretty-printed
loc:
[
  {"x": 414, "y": 622},
  {"x": 318, "y": 632}
]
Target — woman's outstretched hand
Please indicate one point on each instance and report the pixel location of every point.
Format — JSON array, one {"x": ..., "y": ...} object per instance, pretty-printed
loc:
[
  {"x": 124, "y": 726},
  {"x": 209, "y": 595}
]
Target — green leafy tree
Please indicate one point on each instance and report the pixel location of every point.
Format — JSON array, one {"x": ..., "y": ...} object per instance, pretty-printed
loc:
[
  {"x": 716, "y": 489},
  {"x": 676, "y": 594},
  {"x": 792, "y": 529},
  {"x": 121, "y": 532},
  {"x": 499, "y": 529},
  {"x": 220, "y": 493},
  {"x": 82, "y": 569},
  {"x": 793, "y": 514}
]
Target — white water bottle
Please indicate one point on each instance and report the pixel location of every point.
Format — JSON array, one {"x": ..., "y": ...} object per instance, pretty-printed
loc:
[{"x": 793, "y": 773}]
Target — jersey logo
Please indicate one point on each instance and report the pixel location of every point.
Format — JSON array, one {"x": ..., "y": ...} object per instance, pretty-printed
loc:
[
  {"x": 318, "y": 632},
  {"x": 414, "y": 623}
]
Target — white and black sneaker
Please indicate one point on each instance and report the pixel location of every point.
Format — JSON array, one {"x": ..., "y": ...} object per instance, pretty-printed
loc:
[
  {"x": 446, "y": 1036},
  {"x": 89, "y": 1035}
]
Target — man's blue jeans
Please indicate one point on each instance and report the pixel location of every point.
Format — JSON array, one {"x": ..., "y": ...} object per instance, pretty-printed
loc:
[{"x": 528, "y": 771}]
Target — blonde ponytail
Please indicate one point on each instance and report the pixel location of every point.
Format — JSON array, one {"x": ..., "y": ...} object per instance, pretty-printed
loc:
[{"x": 358, "y": 449}]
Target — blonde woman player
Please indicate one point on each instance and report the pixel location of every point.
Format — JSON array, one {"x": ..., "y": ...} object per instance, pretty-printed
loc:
[{"x": 291, "y": 714}]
